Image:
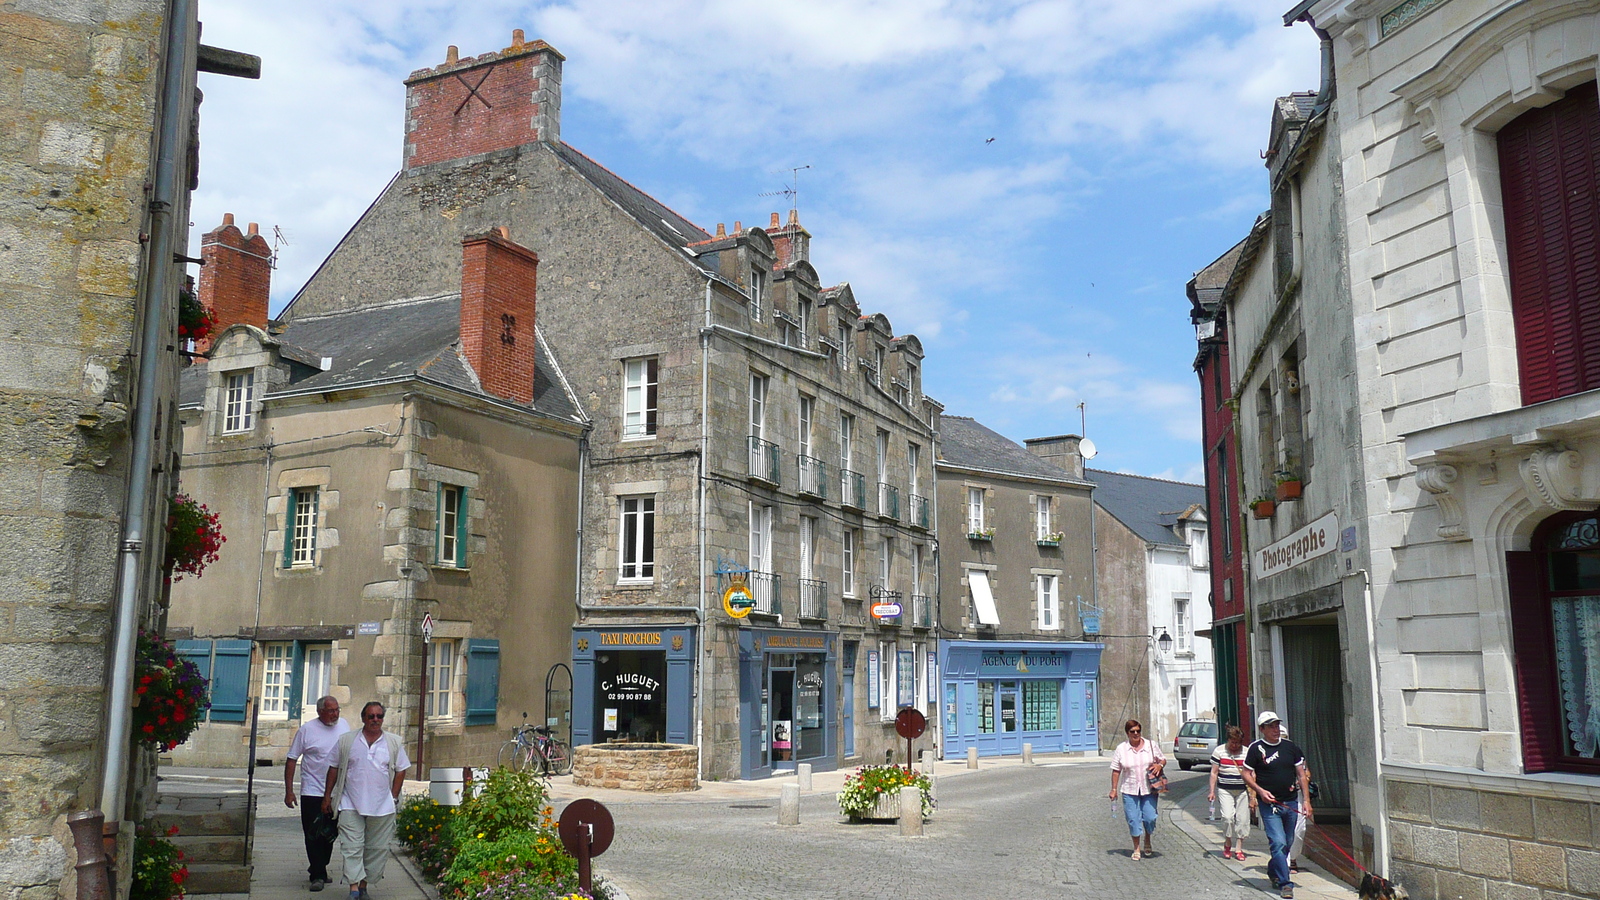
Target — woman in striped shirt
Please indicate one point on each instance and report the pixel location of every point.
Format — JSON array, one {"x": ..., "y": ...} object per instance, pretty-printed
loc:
[{"x": 1229, "y": 793}]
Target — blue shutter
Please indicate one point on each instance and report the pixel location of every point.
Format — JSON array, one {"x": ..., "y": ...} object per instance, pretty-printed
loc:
[
  {"x": 297, "y": 678},
  {"x": 461, "y": 528},
  {"x": 483, "y": 681},
  {"x": 288, "y": 527},
  {"x": 438, "y": 520},
  {"x": 197, "y": 652},
  {"x": 230, "y": 681}
]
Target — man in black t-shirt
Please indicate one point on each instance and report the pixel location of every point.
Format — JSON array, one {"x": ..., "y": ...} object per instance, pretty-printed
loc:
[{"x": 1275, "y": 770}]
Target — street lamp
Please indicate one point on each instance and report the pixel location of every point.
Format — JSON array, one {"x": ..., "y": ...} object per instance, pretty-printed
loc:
[{"x": 1164, "y": 642}]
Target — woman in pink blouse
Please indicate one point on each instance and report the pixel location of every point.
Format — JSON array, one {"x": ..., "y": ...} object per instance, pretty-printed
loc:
[{"x": 1133, "y": 764}]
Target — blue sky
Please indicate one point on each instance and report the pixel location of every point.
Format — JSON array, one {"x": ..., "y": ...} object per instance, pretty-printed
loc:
[{"x": 1040, "y": 269}]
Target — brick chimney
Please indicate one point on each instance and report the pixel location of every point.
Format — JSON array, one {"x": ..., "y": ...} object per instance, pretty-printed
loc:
[
  {"x": 464, "y": 107},
  {"x": 1059, "y": 450},
  {"x": 237, "y": 277},
  {"x": 497, "y": 306},
  {"x": 791, "y": 241}
]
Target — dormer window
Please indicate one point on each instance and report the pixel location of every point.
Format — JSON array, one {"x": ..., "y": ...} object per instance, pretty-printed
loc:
[
  {"x": 239, "y": 401},
  {"x": 877, "y": 365},
  {"x": 846, "y": 351},
  {"x": 805, "y": 323},
  {"x": 758, "y": 292}
]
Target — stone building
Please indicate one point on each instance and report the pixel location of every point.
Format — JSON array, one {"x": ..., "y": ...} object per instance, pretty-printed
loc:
[
  {"x": 413, "y": 456},
  {"x": 100, "y": 105},
  {"x": 1018, "y": 621},
  {"x": 748, "y": 423},
  {"x": 1151, "y": 543}
]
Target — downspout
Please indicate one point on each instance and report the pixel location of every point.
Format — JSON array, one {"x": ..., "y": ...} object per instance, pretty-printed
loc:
[
  {"x": 176, "y": 97},
  {"x": 1381, "y": 827},
  {"x": 700, "y": 513}
]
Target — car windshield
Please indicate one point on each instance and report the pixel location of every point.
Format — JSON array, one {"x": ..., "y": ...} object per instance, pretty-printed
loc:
[{"x": 1206, "y": 730}]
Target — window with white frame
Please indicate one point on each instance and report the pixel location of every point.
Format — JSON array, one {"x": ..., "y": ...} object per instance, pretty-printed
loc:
[
  {"x": 975, "y": 510},
  {"x": 1049, "y": 602},
  {"x": 846, "y": 346},
  {"x": 886, "y": 562},
  {"x": 1185, "y": 702},
  {"x": 914, "y": 463},
  {"x": 804, "y": 309},
  {"x": 807, "y": 407},
  {"x": 916, "y": 570},
  {"x": 1180, "y": 625},
  {"x": 639, "y": 395},
  {"x": 911, "y": 377},
  {"x": 877, "y": 364},
  {"x": 442, "y": 655},
  {"x": 919, "y": 690},
  {"x": 760, "y": 538},
  {"x": 847, "y": 437},
  {"x": 1199, "y": 549},
  {"x": 883, "y": 456},
  {"x": 301, "y": 549},
  {"x": 847, "y": 578},
  {"x": 758, "y": 291},
  {"x": 886, "y": 679},
  {"x": 277, "y": 675},
  {"x": 808, "y": 547},
  {"x": 316, "y": 676},
  {"x": 637, "y": 547},
  {"x": 1043, "y": 523},
  {"x": 239, "y": 404},
  {"x": 451, "y": 536},
  {"x": 758, "y": 405}
]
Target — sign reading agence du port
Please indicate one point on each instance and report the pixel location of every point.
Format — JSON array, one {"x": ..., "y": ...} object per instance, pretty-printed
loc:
[{"x": 1316, "y": 539}]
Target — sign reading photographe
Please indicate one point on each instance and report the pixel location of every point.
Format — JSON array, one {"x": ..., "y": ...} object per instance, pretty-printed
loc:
[{"x": 1316, "y": 539}]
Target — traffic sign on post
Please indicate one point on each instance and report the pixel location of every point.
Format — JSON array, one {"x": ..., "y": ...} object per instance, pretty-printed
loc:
[
  {"x": 427, "y": 628},
  {"x": 585, "y": 828},
  {"x": 910, "y": 723}
]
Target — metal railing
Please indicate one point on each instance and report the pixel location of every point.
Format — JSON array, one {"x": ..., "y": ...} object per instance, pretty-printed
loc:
[
  {"x": 764, "y": 460},
  {"x": 852, "y": 489},
  {"x": 813, "y": 476},
  {"x": 919, "y": 512},
  {"x": 921, "y": 611},
  {"x": 813, "y": 599},
  {"x": 888, "y": 501},
  {"x": 764, "y": 587}
]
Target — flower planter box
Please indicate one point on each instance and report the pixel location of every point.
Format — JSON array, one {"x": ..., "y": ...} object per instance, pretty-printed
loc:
[
  {"x": 1045, "y": 542},
  {"x": 980, "y": 535},
  {"x": 887, "y": 808},
  {"x": 1289, "y": 490},
  {"x": 1264, "y": 509}
]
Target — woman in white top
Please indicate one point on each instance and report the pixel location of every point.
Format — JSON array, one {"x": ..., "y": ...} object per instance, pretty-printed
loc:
[
  {"x": 1134, "y": 762},
  {"x": 1229, "y": 792}
]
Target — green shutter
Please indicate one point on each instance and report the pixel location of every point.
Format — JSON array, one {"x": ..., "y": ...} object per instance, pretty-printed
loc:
[
  {"x": 297, "y": 678},
  {"x": 438, "y": 521},
  {"x": 461, "y": 527},
  {"x": 288, "y": 527},
  {"x": 230, "y": 681},
  {"x": 483, "y": 681}
]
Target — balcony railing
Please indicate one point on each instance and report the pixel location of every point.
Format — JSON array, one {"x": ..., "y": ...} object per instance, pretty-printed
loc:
[
  {"x": 813, "y": 476},
  {"x": 921, "y": 611},
  {"x": 764, "y": 587},
  {"x": 882, "y": 596},
  {"x": 852, "y": 489},
  {"x": 813, "y": 599},
  {"x": 919, "y": 512},
  {"x": 888, "y": 501},
  {"x": 764, "y": 460}
]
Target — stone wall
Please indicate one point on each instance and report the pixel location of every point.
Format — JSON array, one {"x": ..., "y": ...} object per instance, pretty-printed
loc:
[{"x": 660, "y": 768}]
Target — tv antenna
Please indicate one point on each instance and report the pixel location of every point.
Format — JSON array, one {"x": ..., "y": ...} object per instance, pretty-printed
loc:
[
  {"x": 791, "y": 191},
  {"x": 278, "y": 240}
]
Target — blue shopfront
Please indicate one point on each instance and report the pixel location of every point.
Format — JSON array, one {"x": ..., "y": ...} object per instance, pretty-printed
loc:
[
  {"x": 786, "y": 701},
  {"x": 632, "y": 684},
  {"x": 1000, "y": 695}
]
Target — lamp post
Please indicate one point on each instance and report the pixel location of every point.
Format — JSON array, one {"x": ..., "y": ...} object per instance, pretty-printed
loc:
[{"x": 1164, "y": 643}]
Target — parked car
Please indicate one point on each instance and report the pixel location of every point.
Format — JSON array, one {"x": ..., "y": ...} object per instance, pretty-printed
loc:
[{"x": 1194, "y": 743}]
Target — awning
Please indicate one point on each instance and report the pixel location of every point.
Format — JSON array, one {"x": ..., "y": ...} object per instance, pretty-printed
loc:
[{"x": 982, "y": 598}]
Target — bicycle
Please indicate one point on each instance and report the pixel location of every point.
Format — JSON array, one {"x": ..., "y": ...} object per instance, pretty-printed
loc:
[{"x": 536, "y": 745}]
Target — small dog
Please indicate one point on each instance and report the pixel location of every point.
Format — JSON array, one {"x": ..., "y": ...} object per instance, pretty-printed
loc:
[{"x": 1374, "y": 887}]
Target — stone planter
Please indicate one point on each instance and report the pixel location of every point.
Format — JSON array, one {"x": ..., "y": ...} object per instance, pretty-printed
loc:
[
  {"x": 887, "y": 808},
  {"x": 663, "y": 768}
]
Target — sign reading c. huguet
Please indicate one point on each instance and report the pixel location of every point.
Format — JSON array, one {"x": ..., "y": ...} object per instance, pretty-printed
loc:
[{"x": 1317, "y": 539}]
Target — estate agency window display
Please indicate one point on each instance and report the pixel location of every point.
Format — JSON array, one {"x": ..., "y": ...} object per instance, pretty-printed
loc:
[
  {"x": 786, "y": 700},
  {"x": 632, "y": 684},
  {"x": 998, "y": 695}
]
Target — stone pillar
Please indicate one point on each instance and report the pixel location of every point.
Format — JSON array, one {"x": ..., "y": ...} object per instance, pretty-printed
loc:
[
  {"x": 972, "y": 757},
  {"x": 910, "y": 811},
  {"x": 1027, "y": 754},
  {"x": 927, "y": 761},
  {"x": 789, "y": 805},
  {"x": 802, "y": 776}
]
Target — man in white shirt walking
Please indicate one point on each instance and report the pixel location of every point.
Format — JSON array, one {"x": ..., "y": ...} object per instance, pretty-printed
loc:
[
  {"x": 367, "y": 775},
  {"x": 312, "y": 752}
]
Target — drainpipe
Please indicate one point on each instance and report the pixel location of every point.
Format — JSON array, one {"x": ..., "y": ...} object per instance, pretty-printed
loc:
[
  {"x": 700, "y": 513},
  {"x": 177, "y": 98},
  {"x": 1381, "y": 827}
]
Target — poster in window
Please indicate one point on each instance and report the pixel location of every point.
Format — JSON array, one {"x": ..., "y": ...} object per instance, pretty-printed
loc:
[
  {"x": 907, "y": 670},
  {"x": 933, "y": 677},
  {"x": 872, "y": 683}
]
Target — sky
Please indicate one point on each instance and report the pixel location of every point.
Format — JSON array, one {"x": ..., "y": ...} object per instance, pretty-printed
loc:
[{"x": 1026, "y": 186}]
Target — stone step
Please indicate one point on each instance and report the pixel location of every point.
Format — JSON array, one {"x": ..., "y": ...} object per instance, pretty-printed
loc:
[
  {"x": 197, "y": 823},
  {"x": 217, "y": 878},
  {"x": 212, "y": 848}
]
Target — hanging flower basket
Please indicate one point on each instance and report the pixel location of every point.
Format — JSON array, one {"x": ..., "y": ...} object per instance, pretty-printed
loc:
[
  {"x": 873, "y": 792},
  {"x": 194, "y": 537},
  {"x": 195, "y": 320},
  {"x": 170, "y": 694}
]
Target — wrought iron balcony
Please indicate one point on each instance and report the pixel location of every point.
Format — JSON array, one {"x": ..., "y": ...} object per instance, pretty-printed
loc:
[
  {"x": 764, "y": 460},
  {"x": 921, "y": 611},
  {"x": 919, "y": 512},
  {"x": 813, "y": 476},
  {"x": 764, "y": 587},
  {"x": 852, "y": 489},
  {"x": 888, "y": 501},
  {"x": 813, "y": 599}
]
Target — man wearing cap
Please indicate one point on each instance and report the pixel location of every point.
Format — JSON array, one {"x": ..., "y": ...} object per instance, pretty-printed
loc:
[{"x": 1275, "y": 770}]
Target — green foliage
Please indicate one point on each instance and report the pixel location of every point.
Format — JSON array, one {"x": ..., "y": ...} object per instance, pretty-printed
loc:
[
  {"x": 534, "y": 855},
  {"x": 863, "y": 788},
  {"x": 506, "y": 801},
  {"x": 423, "y": 827},
  {"x": 158, "y": 867}
]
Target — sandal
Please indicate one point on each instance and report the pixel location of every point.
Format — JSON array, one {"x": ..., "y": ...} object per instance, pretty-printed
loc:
[{"x": 1136, "y": 854}]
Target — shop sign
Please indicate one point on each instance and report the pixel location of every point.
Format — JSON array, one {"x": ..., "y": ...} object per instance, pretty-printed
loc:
[
  {"x": 1031, "y": 662},
  {"x": 885, "y": 610},
  {"x": 630, "y": 638},
  {"x": 804, "y": 641},
  {"x": 630, "y": 686},
  {"x": 1314, "y": 540},
  {"x": 872, "y": 682},
  {"x": 737, "y": 601}
]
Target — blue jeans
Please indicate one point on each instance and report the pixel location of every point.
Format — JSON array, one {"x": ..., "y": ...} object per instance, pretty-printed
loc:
[
  {"x": 1141, "y": 812},
  {"x": 1277, "y": 820}
]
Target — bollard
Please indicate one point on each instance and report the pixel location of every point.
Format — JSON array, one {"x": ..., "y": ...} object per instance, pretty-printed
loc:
[
  {"x": 910, "y": 812},
  {"x": 927, "y": 761},
  {"x": 789, "y": 805},
  {"x": 1027, "y": 754},
  {"x": 802, "y": 776},
  {"x": 972, "y": 757}
]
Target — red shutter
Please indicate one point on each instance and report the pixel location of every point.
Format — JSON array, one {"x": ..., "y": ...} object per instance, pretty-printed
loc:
[
  {"x": 1532, "y": 642},
  {"x": 1548, "y": 163}
]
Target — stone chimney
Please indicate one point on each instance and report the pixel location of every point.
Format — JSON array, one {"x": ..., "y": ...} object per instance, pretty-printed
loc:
[
  {"x": 464, "y": 107},
  {"x": 1060, "y": 451},
  {"x": 791, "y": 241},
  {"x": 236, "y": 279},
  {"x": 498, "y": 280}
]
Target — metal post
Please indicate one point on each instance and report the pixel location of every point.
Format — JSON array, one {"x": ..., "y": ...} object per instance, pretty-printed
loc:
[
  {"x": 585, "y": 873},
  {"x": 93, "y": 880}
]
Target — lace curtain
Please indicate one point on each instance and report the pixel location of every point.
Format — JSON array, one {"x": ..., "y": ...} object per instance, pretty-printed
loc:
[{"x": 1577, "y": 627}]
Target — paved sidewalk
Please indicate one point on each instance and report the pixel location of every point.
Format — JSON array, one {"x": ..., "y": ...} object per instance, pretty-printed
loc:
[{"x": 1189, "y": 814}]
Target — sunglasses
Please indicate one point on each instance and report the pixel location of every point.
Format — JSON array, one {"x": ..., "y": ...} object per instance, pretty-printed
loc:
[
  {"x": 1133, "y": 731},
  {"x": 378, "y": 716}
]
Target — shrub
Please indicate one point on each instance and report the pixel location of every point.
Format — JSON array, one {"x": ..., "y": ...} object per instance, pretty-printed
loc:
[
  {"x": 534, "y": 856},
  {"x": 862, "y": 789},
  {"x": 510, "y": 886},
  {"x": 158, "y": 867},
  {"x": 423, "y": 827},
  {"x": 506, "y": 801}
]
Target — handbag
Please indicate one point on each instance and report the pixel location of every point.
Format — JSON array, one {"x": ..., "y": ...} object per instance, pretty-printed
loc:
[
  {"x": 1157, "y": 781},
  {"x": 326, "y": 827}
]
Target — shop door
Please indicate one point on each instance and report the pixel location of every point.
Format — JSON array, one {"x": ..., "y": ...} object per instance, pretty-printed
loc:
[
  {"x": 1010, "y": 718},
  {"x": 1314, "y": 683},
  {"x": 780, "y": 729},
  {"x": 848, "y": 697}
]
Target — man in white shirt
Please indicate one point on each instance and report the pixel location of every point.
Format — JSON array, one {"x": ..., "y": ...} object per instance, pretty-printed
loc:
[
  {"x": 366, "y": 776},
  {"x": 312, "y": 751}
]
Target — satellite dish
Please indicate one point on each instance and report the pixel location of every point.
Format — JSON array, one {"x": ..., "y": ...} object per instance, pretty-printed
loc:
[{"x": 1087, "y": 449}]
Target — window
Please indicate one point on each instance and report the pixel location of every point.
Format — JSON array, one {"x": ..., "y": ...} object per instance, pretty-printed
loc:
[
  {"x": 883, "y": 456},
  {"x": 239, "y": 407},
  {"x": 1220, "y": 466},
  {"x": 847, "y": 436},
  {"x": 639, "y": 399},
  {"x": 758, "y": 292},
  {"x": 1549, "y": 185},
  {"x": 805, "y": 322},
  {"x": 316, "y": 676},
  {"x": 914, "y": 463},
  {"x": 1043, "y": 527},
  {"x": 1185, "y": 702},
  {"x": 886, "y": 678},
  {"x": 300, "y": 531},
  {"x": 807, "y": 406},
  {"x": 451, "y": 536},
  {"x": 1041, "y": 705},
  {"x": 277, "y": 673},
  {"x": 846, "y": 347},
  {"x": 1199, "y": 550},
  {"x": 808, "y": 546},
  {"x": 975, "y": 510},
  {"x": 1049, "y": 602},
  {"x": 877, "y": 364},
  {"x": 637, "y": 547},
  {"x": 919, "y": 676},
  {"x": 758, "y": 406},
  {"x": 760, "y": 538},
  {"x": 916, "y": 571},
  {"x": 886, "y": 562},
  {"x": 441, "y": 678},
  {"x": 911, "y": 378},
  {"x": 1180, "y": 625},
  {"x": 847, "y": 578}
]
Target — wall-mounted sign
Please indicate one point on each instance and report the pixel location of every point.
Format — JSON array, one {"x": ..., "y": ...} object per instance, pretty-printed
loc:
[
  {"x": 885, "y": 610},
  {"x": 630, "y": 638},
  {"x": 1314, "y": 540},
  {"x": 802, "y": 641},
  {"x": 370, "y": 628},
  {"x": 1016, "y": 662},
  {"x": 737, "y": 601},
  {"x": 872, "y": 682}
]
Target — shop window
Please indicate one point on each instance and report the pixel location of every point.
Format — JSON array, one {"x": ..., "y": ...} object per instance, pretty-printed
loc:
[
  {"x": 639, "y": 398},
  {"x": 483, "y": 681},
  {"x": 239, "y": 402},
  {"x": 906, "y": 677},
  {"x": 450, "y": 539},
  {"x": 300, "y": 531},
  {"x": 630, "y": 695},
  {"x": 441, "y": 678},
  {"x": 637, "y": 547},
  {"x": 986, "y": 723},
  {"x": 1041, "y": 706}
]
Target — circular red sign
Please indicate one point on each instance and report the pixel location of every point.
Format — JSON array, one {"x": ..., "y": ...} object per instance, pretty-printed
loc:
[
  {"x": 581, "y": 815},
  {"x": 909, "y": 723}
]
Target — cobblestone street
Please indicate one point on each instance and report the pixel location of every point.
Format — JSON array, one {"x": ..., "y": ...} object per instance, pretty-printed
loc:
[{"x": 1017, "y": 832}]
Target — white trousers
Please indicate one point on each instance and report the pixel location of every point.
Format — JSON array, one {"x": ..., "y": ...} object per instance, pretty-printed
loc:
[
  {"x": 364, "y": 842},
  {"x": 1233, "y": 806}
]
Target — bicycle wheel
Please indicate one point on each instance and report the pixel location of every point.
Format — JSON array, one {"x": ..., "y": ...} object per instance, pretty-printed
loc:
[
  {"x": 559, "y": 756},
  {"x": 509, "y": 755}
]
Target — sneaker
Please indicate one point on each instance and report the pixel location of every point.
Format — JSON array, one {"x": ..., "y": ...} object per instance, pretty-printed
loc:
[
  {"x": 1287, "y": 892},
  {"x": 316, "y": 884},
  {"x": 364, "y": 895}
]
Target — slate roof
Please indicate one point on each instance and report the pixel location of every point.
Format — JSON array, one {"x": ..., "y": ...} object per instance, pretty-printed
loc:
[
  {"x": 966, "y": 443},
  {"x": 1150, "y": 507},
  {"x": 403, "y": 339},
  {"x": 1208, "y": 285},
  {"x": 654, "y": 215}
]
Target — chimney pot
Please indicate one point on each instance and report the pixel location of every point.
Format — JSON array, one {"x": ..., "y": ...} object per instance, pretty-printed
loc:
[
  {"x": 516, "y": 37},
  {"x": 774, "y": 225},
  {"x": 452, "y": 55},
  {"x": 794, "y": 218},
  {"x": 227, "y": 218},
  {"x": 253, "y": 230},
  {"x": 721, "y": 231},
  {"x": 738, "y": 227},
  {"x": 503, "y": 231}
]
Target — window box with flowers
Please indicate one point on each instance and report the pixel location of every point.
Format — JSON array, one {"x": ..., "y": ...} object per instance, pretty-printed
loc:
[
  {"x": 1263, "y": 507},
  {"x": 194, "y": 537},
  {"x": 170, "y": 696},
  {"x": 981, "y": 534},
  {"x": 873, "y": 792},
  {"x": 1289, "y": 486},
  {"x": 1053, "y": 539}
]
